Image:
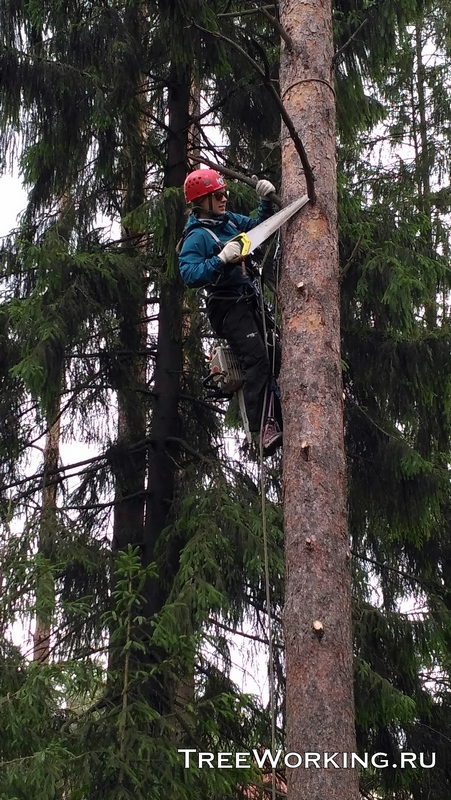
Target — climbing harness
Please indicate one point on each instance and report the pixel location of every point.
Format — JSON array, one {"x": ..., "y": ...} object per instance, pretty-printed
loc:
[{"x": 225, "y": 377}]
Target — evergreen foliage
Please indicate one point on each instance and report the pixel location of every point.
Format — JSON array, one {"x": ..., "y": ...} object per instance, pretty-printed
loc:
[
  {"x": 95, "y": 102},
  {"x": 89, "y": 93},
  {"x": 395, "y": 285}
]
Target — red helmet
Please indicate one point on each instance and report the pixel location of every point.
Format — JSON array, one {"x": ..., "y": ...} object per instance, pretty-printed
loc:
[{"x": 202, "y": 182}]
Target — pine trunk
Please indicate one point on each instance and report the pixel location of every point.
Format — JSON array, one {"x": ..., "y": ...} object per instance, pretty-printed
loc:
[{"x": 317, "y": 617}]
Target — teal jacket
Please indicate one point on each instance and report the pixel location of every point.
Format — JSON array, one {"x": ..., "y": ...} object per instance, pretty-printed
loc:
[{"x": 198, "y": 260}]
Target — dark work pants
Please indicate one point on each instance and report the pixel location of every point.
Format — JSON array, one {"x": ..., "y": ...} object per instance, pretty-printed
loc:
[{"x": 237, "y": 319}]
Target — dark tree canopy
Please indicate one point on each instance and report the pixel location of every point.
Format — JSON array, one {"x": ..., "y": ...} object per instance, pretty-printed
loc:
[{"x": 151, "y": 551}]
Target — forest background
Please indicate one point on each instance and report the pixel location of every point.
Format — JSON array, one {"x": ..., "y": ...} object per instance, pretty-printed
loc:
[{"x": 138, "y": 565}]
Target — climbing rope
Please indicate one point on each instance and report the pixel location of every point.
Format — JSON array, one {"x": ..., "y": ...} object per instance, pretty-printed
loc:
[{"x": 272, "y": 695}]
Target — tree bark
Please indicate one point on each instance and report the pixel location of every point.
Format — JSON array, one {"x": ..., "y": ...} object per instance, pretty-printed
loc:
[
  {"x": 424, "y": 162},
  {"x": 162, "y": 467},
  {"x": 317, "y": 616},
  {"x": 45, "y": 589},
  {"x": 129, "y": 465},
  {"x": 194, "y": 143}
]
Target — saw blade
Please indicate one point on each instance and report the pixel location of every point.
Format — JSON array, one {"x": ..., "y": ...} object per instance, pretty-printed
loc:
[{"x": 261, "y": 232}]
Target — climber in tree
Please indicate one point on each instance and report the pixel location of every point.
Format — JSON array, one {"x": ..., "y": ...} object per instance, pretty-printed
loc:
[{"x": 209, "y": 259}]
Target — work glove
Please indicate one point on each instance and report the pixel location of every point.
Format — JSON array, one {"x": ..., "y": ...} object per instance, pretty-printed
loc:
[
  {"x": 264, "y": 188},
  {"x": 230, "y": 252}
]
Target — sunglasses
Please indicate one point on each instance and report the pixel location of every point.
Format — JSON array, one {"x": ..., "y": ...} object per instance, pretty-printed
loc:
[{"x": 220, "y": 195}]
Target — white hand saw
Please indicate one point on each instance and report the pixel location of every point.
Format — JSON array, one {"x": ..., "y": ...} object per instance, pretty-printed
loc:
[{"x": 252, "y": 239}]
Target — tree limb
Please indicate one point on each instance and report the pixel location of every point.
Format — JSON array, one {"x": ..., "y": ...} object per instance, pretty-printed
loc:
[
  {"x": 237, "y": 632},
  {"x": 407, "y": 575},
  {"x": 277, "y": 26},
  {"x": 346, "y": 44},
  {"x": 246, "y": 13},
  {"x": 188, "y": 449},
  {"x": 308, "y": 171},
  {"x": 236, "y": 176},
  {"x": 204, "y": 403}
]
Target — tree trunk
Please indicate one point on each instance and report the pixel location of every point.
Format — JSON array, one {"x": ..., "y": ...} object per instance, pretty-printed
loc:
[
  {"x": 130, "y": 459},
  {"x": 130, "y": 463},
  {"x": 317, "y": 617},
  {"x": 45, "y": 588},
  {"x": 169, "y": 359},
  {"x": 194, "y": 144},
  {"x": 424, "y": 164}
]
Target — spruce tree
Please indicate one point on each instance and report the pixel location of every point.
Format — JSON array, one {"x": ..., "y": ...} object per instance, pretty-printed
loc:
[
  {"x": 394, "y": 272},
  {"x": 102, "y": 98},
  {"x": 87, "y": 304}
]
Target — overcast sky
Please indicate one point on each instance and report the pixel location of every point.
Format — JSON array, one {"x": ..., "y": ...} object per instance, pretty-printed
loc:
[{"x": 12, "y": 200}]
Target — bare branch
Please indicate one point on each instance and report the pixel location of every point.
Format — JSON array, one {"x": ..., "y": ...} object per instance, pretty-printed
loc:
[
  {"x": 278, "y": 27},
  {"x": 246, "y": 13},
  {"x": 308, "y": 171},
  {"x": 346, "y": 44},
  {"x": 235, "y": 175},
  {"x": 237, "y": 632},
  {"x": 406, "y": 575},
  {"x": 204, "y": 403}
]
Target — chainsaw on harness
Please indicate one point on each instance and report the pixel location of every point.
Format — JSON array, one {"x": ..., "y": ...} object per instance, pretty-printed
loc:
[{"x": 225, "y": 379}]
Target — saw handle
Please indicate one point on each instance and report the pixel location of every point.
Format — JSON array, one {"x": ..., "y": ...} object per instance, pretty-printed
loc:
[{"x": 245, "y": 247}]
